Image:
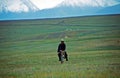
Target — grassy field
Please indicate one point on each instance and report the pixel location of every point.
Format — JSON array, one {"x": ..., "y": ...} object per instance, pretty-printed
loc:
[{"x": 28, "y": 48}]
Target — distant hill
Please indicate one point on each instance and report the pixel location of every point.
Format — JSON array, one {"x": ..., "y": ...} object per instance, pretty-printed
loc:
[
  {"x": 64, "y": 11},
  {"x": 110, "y": 10}
]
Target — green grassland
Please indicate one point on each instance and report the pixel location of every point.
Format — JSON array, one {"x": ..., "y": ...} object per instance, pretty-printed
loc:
[{"x": 28, "y": 47}]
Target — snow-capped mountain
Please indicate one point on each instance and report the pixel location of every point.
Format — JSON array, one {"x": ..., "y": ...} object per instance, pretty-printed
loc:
[
  {"x": 17, "y": 6},
  {"x": 89, "y": 3},
  {"x": 29, "y": 9}
]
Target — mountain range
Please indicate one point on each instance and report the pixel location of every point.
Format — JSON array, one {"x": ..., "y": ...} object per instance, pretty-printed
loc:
[{"x": 29, "y": 10}]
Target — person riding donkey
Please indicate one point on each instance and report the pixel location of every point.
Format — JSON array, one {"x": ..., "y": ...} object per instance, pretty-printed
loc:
[{"x": 61, "y": 48}]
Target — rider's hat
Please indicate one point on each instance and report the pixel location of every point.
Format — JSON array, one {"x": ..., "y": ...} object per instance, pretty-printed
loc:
[{"x": 62, "y": 39}]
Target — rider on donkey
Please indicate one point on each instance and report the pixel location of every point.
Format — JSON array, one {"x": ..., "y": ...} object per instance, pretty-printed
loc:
[{"x": 62, "y": 47}]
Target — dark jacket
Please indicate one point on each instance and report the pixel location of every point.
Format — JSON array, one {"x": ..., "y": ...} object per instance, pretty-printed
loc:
[{"x": 61, "y": 46}]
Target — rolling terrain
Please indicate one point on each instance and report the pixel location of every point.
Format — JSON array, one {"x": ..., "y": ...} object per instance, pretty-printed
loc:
[{"x": 28, "y": 47}]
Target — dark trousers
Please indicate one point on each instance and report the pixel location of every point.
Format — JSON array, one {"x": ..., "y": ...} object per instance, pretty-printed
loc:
[{"x": 66, "y": 56}]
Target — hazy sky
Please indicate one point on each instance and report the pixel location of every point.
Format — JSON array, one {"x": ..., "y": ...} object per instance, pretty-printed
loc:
[{"x": 44, "y": 4}]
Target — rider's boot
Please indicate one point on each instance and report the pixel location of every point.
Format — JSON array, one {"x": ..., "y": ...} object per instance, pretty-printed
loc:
[
  {"x": 59, "y": 56},
  {"x": 66, "y": 59}
]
